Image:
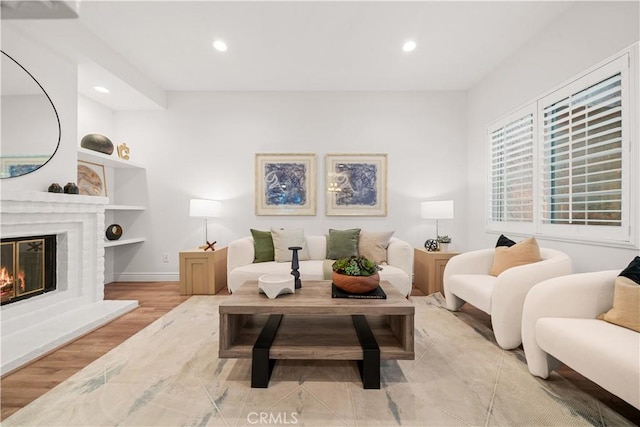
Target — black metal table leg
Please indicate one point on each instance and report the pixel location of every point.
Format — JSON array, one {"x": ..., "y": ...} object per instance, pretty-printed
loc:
[
  {"x": 370, "y": 364},
  {"x": 261, "y": 365}
]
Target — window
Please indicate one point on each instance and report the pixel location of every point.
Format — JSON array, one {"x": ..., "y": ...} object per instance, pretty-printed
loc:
[
  {"x": 560, "y": 166},
  {"x": 511, "y": 168}
]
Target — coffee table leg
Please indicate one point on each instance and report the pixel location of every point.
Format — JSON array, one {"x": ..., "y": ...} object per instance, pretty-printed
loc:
[
  {"x": 261, "y": 365},
  {"x": 370, "y": 364}
]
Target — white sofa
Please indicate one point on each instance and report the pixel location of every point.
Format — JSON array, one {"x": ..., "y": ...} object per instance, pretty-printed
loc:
[
  {"x": 466, "y": 279},
  {"x": 240, "y": 265},
  {"x": 559, "y": 325}
]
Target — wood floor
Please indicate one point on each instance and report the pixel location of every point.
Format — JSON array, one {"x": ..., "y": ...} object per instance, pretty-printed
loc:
[{"x": 157, "y": 298}]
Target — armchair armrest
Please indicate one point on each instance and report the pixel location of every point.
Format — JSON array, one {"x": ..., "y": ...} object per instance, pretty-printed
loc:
[
  {"x": 240, "y": 252},
  {"x": 400, "y": 254},
  {"x": 584, "y": 295},
  {"x": 511, "y": 289}
]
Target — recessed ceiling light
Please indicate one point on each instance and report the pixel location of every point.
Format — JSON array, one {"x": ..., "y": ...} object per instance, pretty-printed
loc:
[
  {"x": 409, "y": 46},
  {"x": 220, "y": 46},
  {"x": 101, "y": 89}
]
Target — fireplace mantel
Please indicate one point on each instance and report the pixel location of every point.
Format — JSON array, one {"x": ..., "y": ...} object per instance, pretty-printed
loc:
[{"x": 35, "y": 326}]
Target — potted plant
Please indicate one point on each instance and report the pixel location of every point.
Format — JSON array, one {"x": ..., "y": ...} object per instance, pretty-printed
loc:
[
  {"x": 444, "y": 242},
  {"x": 356, "y": 274}
]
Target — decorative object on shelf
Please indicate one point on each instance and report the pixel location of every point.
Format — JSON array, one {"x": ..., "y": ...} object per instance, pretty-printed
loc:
[
  {"x": 71, "y": 188},
  {"x": 123, "y": 151},
  {"x": 295, "y": 265},
  {"x": 285, "y": 184},
  {"x": 432, "y": 245},
  {"x": 440, "y": 209},
  {"x": 356, "y": 274},
  {"x": 443, "y": 242},
  {"x": 97, "y": 142},
  {"x": 274, "y": 285},
  {"x": 91, "y": 179},
  {"x": 204, "y": 208},
  {"x": 114, "y": 232},
  {"x": 356, "y": 185},
  {"x": 55, "y": 188}
]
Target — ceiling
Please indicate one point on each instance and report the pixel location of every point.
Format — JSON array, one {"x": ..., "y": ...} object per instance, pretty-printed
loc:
[{"x": 293, "y": 45}]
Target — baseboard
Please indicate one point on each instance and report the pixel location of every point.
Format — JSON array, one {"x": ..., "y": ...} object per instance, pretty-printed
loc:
[{"x": 146, "y": 277}]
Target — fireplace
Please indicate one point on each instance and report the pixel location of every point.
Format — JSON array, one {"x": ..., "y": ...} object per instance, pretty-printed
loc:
[
  {"x": 27, "y": 267},
  {"x": 31, "y": 327}
]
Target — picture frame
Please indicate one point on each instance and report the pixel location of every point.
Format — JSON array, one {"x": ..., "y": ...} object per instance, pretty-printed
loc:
[
  {"x": 285, "y": 183},
  {"x": 356, "y": 184},
  {"x": 91, "y": 179}
]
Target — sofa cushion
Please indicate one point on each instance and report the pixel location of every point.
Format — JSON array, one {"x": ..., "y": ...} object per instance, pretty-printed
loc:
[
  {"x": 473, "y": 287},
  {"x": 342, "y": 243},
  {"x": 633, "y": 270},
  {"x": 284, "y": 239},
  {"x": 606, "y": 354},
  {"x": 524, "y": 252},
  {"x": 504, "y": 241},
  {"x": 373, "y": 245},
  {"x": 262, "y": 246},
  {"x": 626, "y": 304}
]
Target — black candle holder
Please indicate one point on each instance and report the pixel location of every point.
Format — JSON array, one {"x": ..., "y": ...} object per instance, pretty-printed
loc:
[{"x": 295, "y": 265}]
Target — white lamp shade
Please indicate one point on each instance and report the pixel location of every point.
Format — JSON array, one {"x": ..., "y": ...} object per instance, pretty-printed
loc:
[
  {"x": 203, "y": 208},
  {"x": 442, "y": 209}
]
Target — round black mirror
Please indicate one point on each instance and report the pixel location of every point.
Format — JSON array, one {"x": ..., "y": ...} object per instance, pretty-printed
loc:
[{"x": 30, "y": 123}]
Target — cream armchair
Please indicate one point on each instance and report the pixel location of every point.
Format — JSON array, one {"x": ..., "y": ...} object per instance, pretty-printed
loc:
[
  {"x": 559, "y": 325},
  {"x": 467, "y": 279}
]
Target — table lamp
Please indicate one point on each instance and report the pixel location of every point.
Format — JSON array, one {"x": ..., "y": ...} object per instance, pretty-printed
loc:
[
  {"x": 440, "y": 209},
  {"x": 203, "y": 208}
]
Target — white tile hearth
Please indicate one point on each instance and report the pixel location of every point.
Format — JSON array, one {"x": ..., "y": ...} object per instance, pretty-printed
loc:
[{"x": 32, "y": 327}]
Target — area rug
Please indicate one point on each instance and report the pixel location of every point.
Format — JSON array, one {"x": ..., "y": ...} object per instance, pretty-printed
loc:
[{"x": 169, "y": 374}]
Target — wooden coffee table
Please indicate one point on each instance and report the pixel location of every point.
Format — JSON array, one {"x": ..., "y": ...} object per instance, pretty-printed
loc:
[{"x": 311, "y": 325}]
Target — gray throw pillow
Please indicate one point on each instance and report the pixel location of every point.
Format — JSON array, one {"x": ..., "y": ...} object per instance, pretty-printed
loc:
[{"x": 342, "y": 243}]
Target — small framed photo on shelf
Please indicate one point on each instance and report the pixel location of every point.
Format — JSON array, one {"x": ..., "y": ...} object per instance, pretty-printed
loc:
[
  {"x": 356, "y": 185},
  {"x": 91, "y": 179},
  {"x": 285, "y": 184}
]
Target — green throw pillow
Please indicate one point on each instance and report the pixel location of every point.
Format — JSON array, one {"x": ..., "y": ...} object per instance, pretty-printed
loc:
[
  {"x": 342, "y": 243},
  {"x": 262, "y": 245}
]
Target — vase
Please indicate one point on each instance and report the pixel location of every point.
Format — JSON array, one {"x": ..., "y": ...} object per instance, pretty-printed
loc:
[
  {"x": 444, "y": 247},
  {"x": 356, "y": 284},
  {"x": 71, "y": 188},
  {"x": 55, "y": 188},
  {"x": 114, "y": 232},
  {"x": 97, "y": 142}
]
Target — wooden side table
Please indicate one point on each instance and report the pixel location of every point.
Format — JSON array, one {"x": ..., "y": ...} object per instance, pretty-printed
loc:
[
  {"x": 428, "y": 269},
  {"x": 203, "y": 273}
]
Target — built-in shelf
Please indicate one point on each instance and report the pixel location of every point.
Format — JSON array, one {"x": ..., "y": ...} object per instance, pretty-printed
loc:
[
  {"x": 106, "y": 160},
  {"x": 112, "y": 243},
  {"x": 125, "y": 208}
]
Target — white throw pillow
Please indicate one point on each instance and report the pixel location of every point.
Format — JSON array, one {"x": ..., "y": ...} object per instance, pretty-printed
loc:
[{"x": 284, "y": 239}]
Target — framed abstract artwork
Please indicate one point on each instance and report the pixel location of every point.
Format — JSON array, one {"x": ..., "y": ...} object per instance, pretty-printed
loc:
[
  {"x": 91, "y": 179},
  {"x": 356, "y": 185},
  {"x": 285, "y": 184}
]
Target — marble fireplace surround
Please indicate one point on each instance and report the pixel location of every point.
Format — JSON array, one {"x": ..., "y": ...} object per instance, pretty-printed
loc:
[{"x": 32, "y": 327}]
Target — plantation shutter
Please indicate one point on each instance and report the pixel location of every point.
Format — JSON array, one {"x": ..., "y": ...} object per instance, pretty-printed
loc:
[
  {"x": 581, "y": 180},
  {"x": 511, "y": 171}
]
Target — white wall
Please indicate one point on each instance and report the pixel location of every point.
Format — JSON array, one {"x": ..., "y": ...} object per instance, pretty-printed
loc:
[
  {"x": 203, "y": 146},
  {"x": 584, "y": 35},
  {"x": 59, "y": 78}
]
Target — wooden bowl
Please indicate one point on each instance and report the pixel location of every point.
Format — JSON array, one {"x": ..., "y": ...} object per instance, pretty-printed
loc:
[{"x": 356, "y": 284}]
